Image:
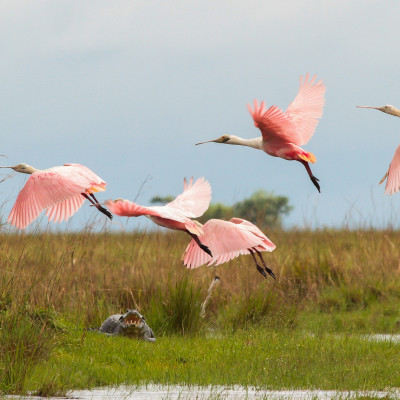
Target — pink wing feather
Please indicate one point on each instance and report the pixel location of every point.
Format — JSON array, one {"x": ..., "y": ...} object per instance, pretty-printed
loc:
[
  {"x": 266, "y": 245},
  {"x": 126, "y": 208},
  {"x": 298, "y": 123},
  {"x": 161, "y": 215},
  {"x": 226, "y": 240},
  {"x": 194, "y": 200},
  {"x": 56, "y": 189},
  {"x": 393, "y": 174},
  {"x": 306, "y": 109},
  {"x": 64, "y": 210},
  {"x": 80, "y": 171}
]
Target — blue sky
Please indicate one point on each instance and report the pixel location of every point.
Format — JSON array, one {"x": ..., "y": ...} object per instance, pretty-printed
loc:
[{"x": 127, "y": 87}]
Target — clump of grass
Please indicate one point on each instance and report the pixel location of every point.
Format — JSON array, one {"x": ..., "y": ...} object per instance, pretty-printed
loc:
[
  {"x": 258, "y": 306},
  {"x": 24, "y": 342},
  {"x": 176, "y": 309},
  {"x": 51, "y": 387},
  {"x": 252, "y": 307}
]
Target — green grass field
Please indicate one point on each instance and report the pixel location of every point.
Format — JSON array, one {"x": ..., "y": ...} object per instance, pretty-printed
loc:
[{"x": 305, "y": 330}]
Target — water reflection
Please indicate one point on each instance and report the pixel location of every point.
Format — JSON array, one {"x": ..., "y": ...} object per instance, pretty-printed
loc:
[{"x": 155, "y": 392}]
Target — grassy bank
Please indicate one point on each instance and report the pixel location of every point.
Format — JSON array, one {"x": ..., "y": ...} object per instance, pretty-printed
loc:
[
  {"x": 255, "y": 357},
  {"x": 301, "y": 331}
]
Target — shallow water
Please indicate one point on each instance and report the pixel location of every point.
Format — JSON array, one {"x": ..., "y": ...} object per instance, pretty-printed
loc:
[
  {"x": 157, "y": 392},
  {"x": 384, "y": 337}
]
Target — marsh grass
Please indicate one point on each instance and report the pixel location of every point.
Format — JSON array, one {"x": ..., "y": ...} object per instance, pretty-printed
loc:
[
  {"x": 176, "y": 307},
  {"x": 259, "y": 357},
  {"x": 25, "y": 340},
  {"x": 55, "y": 286},
  {"x": 92, "y": 275}
]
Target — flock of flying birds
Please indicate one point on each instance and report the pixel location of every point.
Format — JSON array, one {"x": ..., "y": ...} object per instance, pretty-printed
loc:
[{"x": 62, "y": 190}]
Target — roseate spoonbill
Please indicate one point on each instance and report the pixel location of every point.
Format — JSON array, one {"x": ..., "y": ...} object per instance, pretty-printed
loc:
[
  {"x": 61, "y": 190},
  {"x": 284, "y": 132},
  {"x": 192, "y": 203},
  {"x": 393, "y": 173},
  {"x": 227, "y": 240}
]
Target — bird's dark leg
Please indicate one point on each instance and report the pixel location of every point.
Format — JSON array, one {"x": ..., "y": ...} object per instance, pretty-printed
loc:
[
  {"x": 101, "y": 208},
  {"x": 88, "y": 198},
  {"x": 96, "y": 204},
  {"x": 269, "y": 270},
  {"x": 314, "y": 180},
  {"x": 259, "y": 269},
  {"x": 94, "y": 198},
  {"x": 201, "y": 245}
]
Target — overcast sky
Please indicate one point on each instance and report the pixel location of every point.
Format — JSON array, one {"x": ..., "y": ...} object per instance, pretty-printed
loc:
[{"x": 128, "y": 87}]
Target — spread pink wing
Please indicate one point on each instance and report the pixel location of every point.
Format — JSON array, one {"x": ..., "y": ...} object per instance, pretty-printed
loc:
[
  {"x": 298, "y": 124},
  {"x": 273, "y": 123},
  {"x": 161, "y": 215},
  {"x": 47, "y": 189},
  {"x": 96, "y": 183},
  {"x": 306, "y": 109},
  {"x": 126, "y": 208},
  {"x": 266, "y": 245},
  {"x": 226, "y": 241},
  {"x": 194, "y": 200},
  {"x": 393, "y": 174},
  {"x": 62, "y": 211}
]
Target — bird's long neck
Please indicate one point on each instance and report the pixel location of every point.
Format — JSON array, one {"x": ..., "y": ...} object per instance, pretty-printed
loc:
[
  {"x": 28, "y": 170},
  {"x": 395, "y": 112},
  {"x": 256, "y": 143},
  {"x": 32, "y": 170}
]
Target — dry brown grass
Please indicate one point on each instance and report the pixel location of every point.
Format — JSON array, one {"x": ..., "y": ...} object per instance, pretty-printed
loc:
[{"x": 99, "y": 274}]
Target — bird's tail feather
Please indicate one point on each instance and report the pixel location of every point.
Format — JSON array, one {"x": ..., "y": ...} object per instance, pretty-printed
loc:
[{"x": 308, "y": 157}]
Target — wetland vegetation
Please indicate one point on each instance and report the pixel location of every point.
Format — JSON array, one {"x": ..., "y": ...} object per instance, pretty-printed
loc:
[{"x": 304, "y": 330}]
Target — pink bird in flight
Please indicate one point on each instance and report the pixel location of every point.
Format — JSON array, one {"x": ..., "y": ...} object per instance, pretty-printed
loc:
[
  {"x": 177, "y": 214},
  {"x": 284, "y": 132},
  {"x": 61, "y": 190},
  {"x": 227, "y": 240},
  {"x": 393, "y": 173}
]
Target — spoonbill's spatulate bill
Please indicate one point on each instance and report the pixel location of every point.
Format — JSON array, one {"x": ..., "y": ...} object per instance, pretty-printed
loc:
[
  {"x": 393, "y": 173},
  {"x": 284, "y": 132},
  {"x": 192, "y": 203},
  {"x": 227, "y": 240},
  {"x": 61, "y": 190}
]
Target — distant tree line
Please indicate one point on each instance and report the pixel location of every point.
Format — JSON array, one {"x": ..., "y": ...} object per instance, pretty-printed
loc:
[{"x": 262, "y": 208}]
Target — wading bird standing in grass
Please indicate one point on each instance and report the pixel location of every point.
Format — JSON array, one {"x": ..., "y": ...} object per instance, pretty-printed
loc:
[
  {"x": 192, "y": 203},
  {"x": 227, "y": 240},
  {"x": 393, "y": 173},
  {"x": 61, "y": 190},
  {"x": 284, "y": 132}
]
